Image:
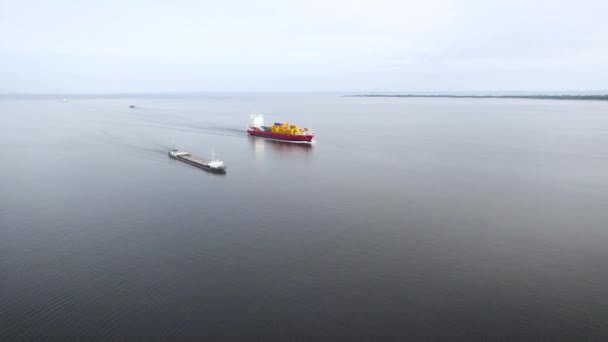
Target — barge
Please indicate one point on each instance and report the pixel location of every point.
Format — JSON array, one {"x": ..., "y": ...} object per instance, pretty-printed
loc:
[{"x": 213, "y": 165}]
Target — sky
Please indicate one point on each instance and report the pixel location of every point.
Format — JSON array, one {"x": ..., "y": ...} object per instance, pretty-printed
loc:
[{"x": 66, "y": 46}]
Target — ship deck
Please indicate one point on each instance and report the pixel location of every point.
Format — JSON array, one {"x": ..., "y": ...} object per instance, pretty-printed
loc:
[{"x": 196, "y": 160}]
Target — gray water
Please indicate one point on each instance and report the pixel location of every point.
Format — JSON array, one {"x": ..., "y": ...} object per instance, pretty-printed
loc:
[{"x": 434, "y": 219}]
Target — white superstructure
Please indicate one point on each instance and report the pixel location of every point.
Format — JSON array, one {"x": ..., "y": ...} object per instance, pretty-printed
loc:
[{"x": 256, "y": 120}]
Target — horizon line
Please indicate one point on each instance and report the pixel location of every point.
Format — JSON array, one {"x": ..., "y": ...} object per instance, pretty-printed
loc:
[{"x": 188, "y": 92}]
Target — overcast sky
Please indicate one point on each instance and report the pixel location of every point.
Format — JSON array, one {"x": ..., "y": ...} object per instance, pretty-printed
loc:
[{"x": 197, "y": 45}]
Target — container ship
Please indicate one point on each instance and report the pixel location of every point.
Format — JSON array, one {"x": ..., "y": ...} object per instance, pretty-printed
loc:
[{"x": 279, "y": 131}]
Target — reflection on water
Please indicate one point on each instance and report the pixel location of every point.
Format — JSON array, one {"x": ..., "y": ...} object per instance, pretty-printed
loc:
[{"x": 279, "y": 147}]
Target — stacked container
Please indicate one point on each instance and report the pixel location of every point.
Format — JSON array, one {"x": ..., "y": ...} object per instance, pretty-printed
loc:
[{"x": 286, "y": 128}]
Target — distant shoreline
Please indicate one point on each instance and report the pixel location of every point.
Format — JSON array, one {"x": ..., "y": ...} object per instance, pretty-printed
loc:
[{"x": 536, "y": 97}]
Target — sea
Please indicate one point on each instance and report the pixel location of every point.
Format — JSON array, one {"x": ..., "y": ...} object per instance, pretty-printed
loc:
[{"x": 409, "y": 219}]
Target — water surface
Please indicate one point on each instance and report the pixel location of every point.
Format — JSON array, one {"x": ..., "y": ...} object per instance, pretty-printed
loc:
[{"x": 410, "y": 218}]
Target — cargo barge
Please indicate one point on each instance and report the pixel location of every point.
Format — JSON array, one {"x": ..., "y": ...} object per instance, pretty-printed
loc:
[
  {"x": 282, "y": 131},
  {"x": 214, "y": 165}
]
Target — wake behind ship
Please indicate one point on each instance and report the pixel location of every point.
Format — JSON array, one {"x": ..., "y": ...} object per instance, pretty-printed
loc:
[{"x": 279, "y": 131}]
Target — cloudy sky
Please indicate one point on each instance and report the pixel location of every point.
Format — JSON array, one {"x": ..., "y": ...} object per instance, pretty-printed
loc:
[{"x": 313, "y": 45}]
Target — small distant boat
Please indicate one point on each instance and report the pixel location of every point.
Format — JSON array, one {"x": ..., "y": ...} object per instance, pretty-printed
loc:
[
  {"x": 132, "y": 106},
  {"x": 213, "y": 165}
]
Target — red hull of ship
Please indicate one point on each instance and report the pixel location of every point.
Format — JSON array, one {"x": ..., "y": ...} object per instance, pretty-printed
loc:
[{"x": 280, "y": 136}]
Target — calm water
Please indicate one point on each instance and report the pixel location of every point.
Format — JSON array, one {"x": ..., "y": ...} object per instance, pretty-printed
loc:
[{"x": 436, "y": 219}]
